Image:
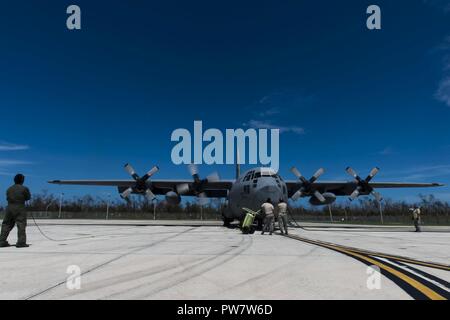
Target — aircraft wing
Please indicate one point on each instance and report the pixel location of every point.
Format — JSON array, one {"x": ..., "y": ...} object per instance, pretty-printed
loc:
[
  {"x": 217, "y": 189},
  {"x": 346, "y": 188}
]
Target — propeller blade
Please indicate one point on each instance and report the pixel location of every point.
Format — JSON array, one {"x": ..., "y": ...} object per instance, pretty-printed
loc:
[
  {"x": 193, "y": 169},
  {"x": 319, "y": 196},
  {"x": 127, "y": 193},
  {"x": 149, "y": 194},
  {"x": 295, "y": 171},
  {"x": 131, "y": 172},
  {"x": 297, "y": 195},
  {"x": 317, "y": 175},
  {"x": 354, "y": 195},
  {"x": 351, "y": 172},
  {"x": 149, "y": 174},
  {"x": 214, "y": 177},
  {"x": 372, "y": 174},
  {"x": 183, "y": 188}
]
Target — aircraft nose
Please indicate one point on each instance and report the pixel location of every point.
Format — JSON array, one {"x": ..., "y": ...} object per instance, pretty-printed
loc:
[
  {"x": 272, "y": 192},
  {"x": 269, "y": 189}
]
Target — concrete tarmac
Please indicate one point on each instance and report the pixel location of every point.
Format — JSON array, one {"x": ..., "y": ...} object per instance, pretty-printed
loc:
[{"x": 184, "y": 260}]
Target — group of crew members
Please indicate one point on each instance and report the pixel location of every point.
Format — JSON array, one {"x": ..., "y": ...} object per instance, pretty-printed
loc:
[{"x": 271, "y": 214}]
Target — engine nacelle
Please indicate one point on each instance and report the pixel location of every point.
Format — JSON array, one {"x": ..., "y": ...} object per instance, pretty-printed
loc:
[
  {"x": 173, "y": 198},
  {"x": 329, "y": 199}
]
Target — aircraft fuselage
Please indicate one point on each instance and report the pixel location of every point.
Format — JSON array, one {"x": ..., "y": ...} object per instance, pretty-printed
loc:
[{"x": 252, "y": 189}]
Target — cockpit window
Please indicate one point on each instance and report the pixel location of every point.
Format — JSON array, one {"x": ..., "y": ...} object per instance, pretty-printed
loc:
[
  {"x": 268, "y": 175},
  {"x": 249, "y": 176}
]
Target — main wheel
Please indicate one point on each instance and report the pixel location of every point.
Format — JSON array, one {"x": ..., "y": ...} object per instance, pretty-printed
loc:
[{"x": 227, "y": 222}]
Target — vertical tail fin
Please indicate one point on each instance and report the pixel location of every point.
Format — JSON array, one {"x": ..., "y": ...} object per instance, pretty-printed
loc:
[{"x": 238, "y": 164}]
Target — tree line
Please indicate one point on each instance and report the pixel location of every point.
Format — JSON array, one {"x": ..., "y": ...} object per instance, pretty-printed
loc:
[{"x": 364, "y": 209}]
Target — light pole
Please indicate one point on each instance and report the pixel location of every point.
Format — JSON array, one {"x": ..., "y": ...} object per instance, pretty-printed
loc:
[
  {"x": 107, "y": 205},
  {"x": 60, "y": 205},
  {"x": 46, "y": 209},
  {"x": 154, "y": 208},
  {"x": 381, "y": 211}
]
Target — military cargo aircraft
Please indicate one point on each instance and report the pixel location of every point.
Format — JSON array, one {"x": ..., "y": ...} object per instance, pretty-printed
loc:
[{"x": 248, "y": 190}]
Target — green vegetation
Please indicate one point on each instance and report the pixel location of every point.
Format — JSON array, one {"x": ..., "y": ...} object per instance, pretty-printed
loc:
[{"x": 366, "y": 210}]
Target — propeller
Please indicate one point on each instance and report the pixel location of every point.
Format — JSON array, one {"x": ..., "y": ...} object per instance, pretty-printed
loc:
[
  {"x": 364, "y": 186},
  {"x": 305, "y": 185},
  {"x": 142, "y": 185},
  {"x": 198, "y": 186}
]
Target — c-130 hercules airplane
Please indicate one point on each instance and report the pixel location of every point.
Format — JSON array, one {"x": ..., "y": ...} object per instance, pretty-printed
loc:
[{"x": 249, "y": 190}]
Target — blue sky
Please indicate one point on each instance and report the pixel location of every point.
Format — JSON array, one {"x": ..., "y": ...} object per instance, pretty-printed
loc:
[{"x": 81, "y": 104}]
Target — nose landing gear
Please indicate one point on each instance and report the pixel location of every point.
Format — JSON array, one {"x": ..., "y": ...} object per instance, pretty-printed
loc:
[{"x": 227, "y": 222}]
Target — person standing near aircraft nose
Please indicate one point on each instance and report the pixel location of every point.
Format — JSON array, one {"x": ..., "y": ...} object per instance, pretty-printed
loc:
[
  {"x": 16, "y": 214},
  {"x": 282, "y": 216},
  {"x": 416, "y": 216},
  {"x": 269, "y": 217}
]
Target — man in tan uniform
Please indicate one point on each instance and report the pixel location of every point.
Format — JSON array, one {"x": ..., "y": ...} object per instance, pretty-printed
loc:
[
  {"x": 416, "y": 217},
  {"x": 269, "y": 216},
  {"x": 15, "y": 213},
  {"x": 282, "y": 216}
]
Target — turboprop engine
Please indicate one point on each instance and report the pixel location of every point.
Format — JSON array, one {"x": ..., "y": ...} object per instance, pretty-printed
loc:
[
  {"x": 329, "y": 199},
  {"x": 173, "y": 198}
]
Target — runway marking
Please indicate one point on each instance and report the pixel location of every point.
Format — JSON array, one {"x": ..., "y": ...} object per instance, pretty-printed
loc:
[
  {"x": 382, "y": 255},
  {"x": 437, "y": 282},
  {"x": 440, "y": 282},
  {"x": 418, "y": 287}
]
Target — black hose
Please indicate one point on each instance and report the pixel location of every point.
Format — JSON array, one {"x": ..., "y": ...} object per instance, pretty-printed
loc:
[
  {"x": 295, "y": 222},
  {"x": 55, "y": 240}
]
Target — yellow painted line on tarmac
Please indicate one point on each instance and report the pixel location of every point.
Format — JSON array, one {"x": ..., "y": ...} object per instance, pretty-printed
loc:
[
  {"x": 407, "y": 260},
  {"x": 431, "y": 294},
  {"x": 414, "y": 283},
  {"x": 378, "y": 254}
]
